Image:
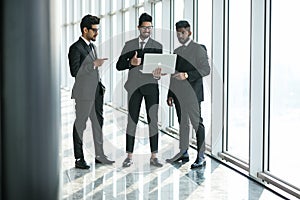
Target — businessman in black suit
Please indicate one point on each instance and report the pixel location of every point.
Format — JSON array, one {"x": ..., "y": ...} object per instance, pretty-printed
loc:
[
  {"x": 141, "y": 86},
  {"x": 87, "y": 91},
  {"x": 186, "y": 92}
]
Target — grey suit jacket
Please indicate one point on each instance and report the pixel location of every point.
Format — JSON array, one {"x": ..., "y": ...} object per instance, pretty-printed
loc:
[
  {"x": 192, "y": 59},
  {"x": 136, "y": 79},
  {"x": 82, "y": 68}
]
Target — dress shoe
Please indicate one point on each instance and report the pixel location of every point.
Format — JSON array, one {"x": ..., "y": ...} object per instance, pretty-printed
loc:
[
  {"x": 155, "y": 162},
  {"x": 103, "y": 160},
  {"x": 127, "y": 162},
  {"x": 179, "y": 157},
  {"x": 200, "y": 162},
  {"x": 81, "y": 164}
]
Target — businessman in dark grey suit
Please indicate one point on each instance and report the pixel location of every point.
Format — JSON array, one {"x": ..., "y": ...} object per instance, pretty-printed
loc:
[
  {"x": 87, "y": 91},
  {"x": 141, "y": 86},
  {"x": 186, "y": 92}
]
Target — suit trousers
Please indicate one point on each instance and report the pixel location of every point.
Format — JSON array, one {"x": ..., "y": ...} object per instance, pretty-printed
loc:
[
  {"x": 92, "y": 109},
  {"x": 190, "y": 112},
  {"x": 134, "y": 104}
]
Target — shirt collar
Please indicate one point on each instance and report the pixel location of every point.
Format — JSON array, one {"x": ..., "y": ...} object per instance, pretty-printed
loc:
[
  {"x": 146, "y": 40},
  {"x": 187, "y": 42},
  {"x": 85, "y": 40}
]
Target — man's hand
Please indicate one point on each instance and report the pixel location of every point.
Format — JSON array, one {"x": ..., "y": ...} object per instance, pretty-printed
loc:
[
  {"x": 157, "y": 73},
  {"x": 170, "y": 101},
  {"x": 99, "y": 62},
  {"x": 180, "y": 76},
  {"x": 135, "y": 61}
]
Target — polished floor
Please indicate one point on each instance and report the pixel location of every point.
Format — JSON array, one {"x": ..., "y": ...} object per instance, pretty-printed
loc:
[{"x": 142, "y": 181}]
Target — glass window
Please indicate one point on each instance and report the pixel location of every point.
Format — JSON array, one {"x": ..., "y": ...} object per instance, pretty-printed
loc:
[
  {"x": 178, "y": 10},
  {"x": 141, "y": 11},
  {"x": 76, "y": 15},
  {"x": 205, "y": 23},
  {"x": 84, "y": 8},
  {"x": 103, "y": 9},
  {"x": 97, "y": 6},
  {"x": 157, "y": 35},
  {"x": 204, "y": 35},
  {"x": 113, "y": 46},
  {"x": 126, "y": 3},
  {"x": 113, "y": 5},
  {"x": 128, "y": 34},
  {"x": 126, "y": 25},
  {"x": 178, "y": 15},
  {"x": 114, "y": 25},
  {"x": 92, "y": 7},
  {"x": 102, "y": 30},
  {"x": 284, "y": 91},
  {"x": 238, "y": 76},
  {"x": 158, "y": 21}
]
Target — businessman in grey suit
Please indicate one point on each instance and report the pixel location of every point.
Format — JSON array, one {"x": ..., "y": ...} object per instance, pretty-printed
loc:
[
  {"x": 141, "y": 86},
  {"x": 186, "y": 92},
  {"x": 87, "y": 91}
]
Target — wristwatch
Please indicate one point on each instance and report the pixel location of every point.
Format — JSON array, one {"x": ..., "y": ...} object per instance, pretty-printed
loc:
[{"x": 186, "y": 75}]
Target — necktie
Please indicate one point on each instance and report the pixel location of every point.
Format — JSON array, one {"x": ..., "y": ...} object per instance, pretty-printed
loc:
[
  {"x": 93, "y": 53},
  {"x": 142, "y": 44},
  {"x": 92, "y": 49}
]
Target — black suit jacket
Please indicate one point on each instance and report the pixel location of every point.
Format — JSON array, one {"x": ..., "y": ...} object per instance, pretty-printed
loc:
[
  {"x": 82, "y": 68},
  {"x": 192, "y": 59},
  {"x": 136, "y": 79}
]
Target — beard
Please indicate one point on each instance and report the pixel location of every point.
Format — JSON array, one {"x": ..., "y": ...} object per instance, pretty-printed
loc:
[
  {"x": 182, "y": 41},
  {"x": 144, "y": 35}
]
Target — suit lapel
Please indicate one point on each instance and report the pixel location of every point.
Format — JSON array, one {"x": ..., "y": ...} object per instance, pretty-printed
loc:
[
  {"x": 136, "y": 44},
  {"x": 148, "y": 44},
  {"x": 87, "y": 48},
  {"x": 96, "y": 56}
]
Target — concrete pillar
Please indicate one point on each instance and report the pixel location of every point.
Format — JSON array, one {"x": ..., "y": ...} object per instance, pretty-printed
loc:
[{"x": 30, "y": 101}]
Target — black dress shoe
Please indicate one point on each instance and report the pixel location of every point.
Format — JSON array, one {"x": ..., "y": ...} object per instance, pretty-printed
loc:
[
  {"x": 155, "y": 162},
  {"x": 179, "y": 157},
  {"x": 103, "y": 160},
  {"x": 81, "y": 164},
  {"x": 200, "y": 162},
  {"x": 127, "y": 162}
]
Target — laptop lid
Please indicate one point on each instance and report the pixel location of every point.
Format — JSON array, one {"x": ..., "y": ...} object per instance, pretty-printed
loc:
[{"x": 165, "y": 61}]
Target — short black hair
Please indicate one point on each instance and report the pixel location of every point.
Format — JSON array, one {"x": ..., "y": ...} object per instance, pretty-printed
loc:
[
  {"x": 87, "y": 21},
  {"x": 182, "y": 24},
  {"x": 145, "y": 18}
]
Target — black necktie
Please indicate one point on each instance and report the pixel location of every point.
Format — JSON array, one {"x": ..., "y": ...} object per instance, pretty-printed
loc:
[
  {"x": 92, "y": 49},
  {"x": 142, "y": 44}
]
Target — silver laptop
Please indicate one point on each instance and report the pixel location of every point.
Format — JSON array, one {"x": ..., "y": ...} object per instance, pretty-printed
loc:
[{"x": 165, "y": 61}]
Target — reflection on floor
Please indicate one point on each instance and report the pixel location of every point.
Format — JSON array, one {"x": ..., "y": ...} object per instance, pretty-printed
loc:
[{"x": 142, "y": 181}]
